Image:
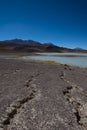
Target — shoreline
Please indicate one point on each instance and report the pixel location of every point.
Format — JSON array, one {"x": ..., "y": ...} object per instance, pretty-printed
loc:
[{"x": 23, "y": 56}]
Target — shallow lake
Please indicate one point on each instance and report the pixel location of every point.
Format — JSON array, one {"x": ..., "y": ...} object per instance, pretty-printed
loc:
[{"x": 75, "y": 59}]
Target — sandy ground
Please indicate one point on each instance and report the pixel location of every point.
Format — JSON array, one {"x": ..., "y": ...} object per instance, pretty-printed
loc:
[{"x": 42, "y": 96}]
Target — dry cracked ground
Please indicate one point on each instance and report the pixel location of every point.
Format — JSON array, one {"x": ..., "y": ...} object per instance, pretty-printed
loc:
[{"x": 42, "y": 96}]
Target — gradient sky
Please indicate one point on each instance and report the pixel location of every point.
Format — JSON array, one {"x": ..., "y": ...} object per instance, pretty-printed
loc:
[{"x": 62, "y": 22}]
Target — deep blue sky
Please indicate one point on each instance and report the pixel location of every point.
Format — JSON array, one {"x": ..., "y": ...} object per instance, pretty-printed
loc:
[{"x": 63, "y": 22}]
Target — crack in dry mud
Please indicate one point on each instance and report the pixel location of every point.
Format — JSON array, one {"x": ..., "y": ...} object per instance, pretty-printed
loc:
[
  {"x": 12, "y": 111},
  {"x": 79, "y": 107},
  {"x": 71, "y": 100},
  {"x": 29, "y": 82}
]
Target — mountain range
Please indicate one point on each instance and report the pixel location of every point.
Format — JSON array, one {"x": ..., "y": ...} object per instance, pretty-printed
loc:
[{"x": 19, "y": 45}]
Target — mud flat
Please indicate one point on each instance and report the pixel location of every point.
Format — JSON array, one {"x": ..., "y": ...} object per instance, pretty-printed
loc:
[{"x": 42, "y": 96}]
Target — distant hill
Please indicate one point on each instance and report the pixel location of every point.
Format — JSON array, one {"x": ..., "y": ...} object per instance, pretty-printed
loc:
[
  {"x": 19, "y": 45},
  {"x": 78, "y": 48}
]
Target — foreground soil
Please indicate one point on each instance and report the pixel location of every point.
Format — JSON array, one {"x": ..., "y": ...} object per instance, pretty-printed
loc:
[{"x": 42, "y": 96}]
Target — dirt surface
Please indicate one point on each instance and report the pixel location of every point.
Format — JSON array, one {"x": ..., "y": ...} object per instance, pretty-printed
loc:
[{"x": 42, "y": 96}]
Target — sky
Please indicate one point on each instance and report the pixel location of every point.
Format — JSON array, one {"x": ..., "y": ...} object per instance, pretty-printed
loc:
[{"x": 62, "y": 22}]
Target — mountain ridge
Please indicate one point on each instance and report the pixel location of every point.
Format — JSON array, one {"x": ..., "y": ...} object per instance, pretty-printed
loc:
[{"x": 19, "y": 45}]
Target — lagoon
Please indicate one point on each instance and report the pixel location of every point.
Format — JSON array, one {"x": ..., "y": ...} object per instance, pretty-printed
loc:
[{"x": 75, "y": 59}]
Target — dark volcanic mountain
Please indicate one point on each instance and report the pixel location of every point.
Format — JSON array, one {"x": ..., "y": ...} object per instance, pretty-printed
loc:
[
  {"x": 20, "y": 41},
  {"x": 18, "y": 45}
]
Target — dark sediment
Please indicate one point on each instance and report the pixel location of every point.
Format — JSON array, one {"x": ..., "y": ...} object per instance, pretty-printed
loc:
[{"x": 42, "y": 96}]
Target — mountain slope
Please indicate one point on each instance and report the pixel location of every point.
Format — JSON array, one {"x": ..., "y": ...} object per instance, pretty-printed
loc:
[{"x": 18, "y": 45}]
